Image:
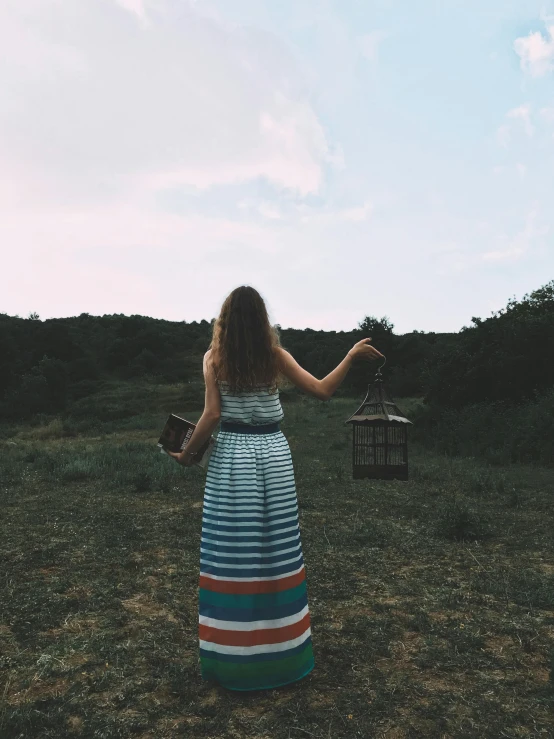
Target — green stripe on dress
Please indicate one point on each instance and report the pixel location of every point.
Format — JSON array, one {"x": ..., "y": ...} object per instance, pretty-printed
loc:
[
  {"x": 254, "y": 684},
  {"x": 273, "y": 671},
  {"x": 255, "y": 600}
]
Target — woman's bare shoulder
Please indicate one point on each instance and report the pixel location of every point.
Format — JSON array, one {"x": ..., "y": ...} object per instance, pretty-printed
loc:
[{"x": 282, "y": 354}]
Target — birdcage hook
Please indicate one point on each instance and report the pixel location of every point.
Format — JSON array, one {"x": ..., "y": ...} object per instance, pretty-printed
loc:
[{"x": 378, "y": 373}]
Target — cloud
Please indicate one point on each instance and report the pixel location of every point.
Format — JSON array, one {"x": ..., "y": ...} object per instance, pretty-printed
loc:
[
  {"x": 134, "y": 6},
  {"x": 521, "y": 169},
  {"x": 117, "y": 121},
  {"x": 265, "y": 208},
  {"x": 503, "y": 255},
  {"x": 521, "y": 243},
  {"x": 293, "y": 212},
  {"x": 369, "y": 44},
  {"x": 536, "y": 52},
  {"x": 289, "y": 149},
  {"x": 335, "y": 215},
  {"x": 503, "y": 135},
  {"x": 360, "y": 213},
  {"x": 126, "y": 258},
  {"x": 521, "y": 113},
  {"x": 509, "y": 249},
  {"x": 96, "y": 103}
]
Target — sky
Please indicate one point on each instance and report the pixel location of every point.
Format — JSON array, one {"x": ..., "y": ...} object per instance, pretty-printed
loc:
[{"x": 344, "y": 157}]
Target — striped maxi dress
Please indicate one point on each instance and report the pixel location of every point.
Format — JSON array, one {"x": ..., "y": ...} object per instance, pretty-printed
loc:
[{"x": 254, "y": 620}]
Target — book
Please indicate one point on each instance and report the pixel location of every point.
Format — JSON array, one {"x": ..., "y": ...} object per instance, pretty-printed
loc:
[{"x": 176, "y": 435}]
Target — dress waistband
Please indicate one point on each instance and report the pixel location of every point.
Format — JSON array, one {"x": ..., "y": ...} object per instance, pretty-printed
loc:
[{"x": 246, "y": 428}]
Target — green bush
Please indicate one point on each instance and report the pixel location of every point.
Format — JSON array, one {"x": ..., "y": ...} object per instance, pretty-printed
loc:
[
  {"x": 498, "y": 432},
  {"x": 457, "y": 521}
]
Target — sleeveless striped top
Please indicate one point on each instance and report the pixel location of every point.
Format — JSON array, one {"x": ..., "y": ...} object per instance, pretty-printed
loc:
[{"x": 255, "y": 407}]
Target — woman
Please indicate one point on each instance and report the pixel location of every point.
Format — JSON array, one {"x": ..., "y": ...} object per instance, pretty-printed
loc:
[{"x": 254, "y": 620}]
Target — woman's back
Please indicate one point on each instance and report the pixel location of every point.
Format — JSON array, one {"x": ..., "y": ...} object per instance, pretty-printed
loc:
[{"x": 255, "y": 407}]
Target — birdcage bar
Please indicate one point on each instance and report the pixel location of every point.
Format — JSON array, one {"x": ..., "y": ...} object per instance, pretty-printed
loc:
[{"x": 378, "y": 451}]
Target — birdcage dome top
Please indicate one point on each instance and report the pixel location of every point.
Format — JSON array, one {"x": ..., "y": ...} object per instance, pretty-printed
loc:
[{"x": 378, "y": 406}]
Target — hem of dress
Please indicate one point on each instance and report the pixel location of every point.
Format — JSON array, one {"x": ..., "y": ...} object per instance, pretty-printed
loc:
[{"x": 270, "y": 687}]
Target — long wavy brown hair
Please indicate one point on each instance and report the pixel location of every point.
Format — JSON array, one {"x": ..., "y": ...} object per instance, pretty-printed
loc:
[{"x": 244, "y": 343}]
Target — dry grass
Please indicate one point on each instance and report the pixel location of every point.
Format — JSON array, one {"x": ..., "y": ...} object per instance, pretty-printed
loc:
[{"x": 432, "y": 600}]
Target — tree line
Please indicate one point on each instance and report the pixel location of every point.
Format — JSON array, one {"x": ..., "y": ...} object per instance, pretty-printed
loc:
[{"x": 506, "y": 358}]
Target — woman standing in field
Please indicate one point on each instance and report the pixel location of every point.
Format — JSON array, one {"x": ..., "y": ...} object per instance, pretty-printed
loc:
[{"x": 254, "y": 620}]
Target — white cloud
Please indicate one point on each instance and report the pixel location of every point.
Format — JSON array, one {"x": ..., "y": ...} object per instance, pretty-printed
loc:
[
  {"x": 332, "y": 216},
  {"x": 446, "y": 247},
  {"x": 294, "y": 212},
  {"x": 30, "y": 57},
  {"x": 126, "y": 258},
  {"x": 521, "y": 169},
  {"x": 134, "y": 6},
  {"x": 521, "y": 243},
  {"x": 503, "y": 135},
  {"x": 265, "y": 208},
  {"x": 289, "y": 149},
  {"x": 459, "y": 262},
  {"x": 269, "y": 210},
  {"x": 523, "y": 113},
  {"x": 501, "y": 169},
  {"x": 536, "y": 52},
  {"x": 361, "y": 213},
  {"x": 95, "y": 103},
  {"x": 503, "y": 255},
  {"x": 102, "y": 109},
  {"x": 436, "y": 200},
  {"x": 369, "y": 44}
]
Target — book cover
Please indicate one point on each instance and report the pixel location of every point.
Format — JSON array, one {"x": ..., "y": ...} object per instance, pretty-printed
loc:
[{"x": 176, "y": 435}]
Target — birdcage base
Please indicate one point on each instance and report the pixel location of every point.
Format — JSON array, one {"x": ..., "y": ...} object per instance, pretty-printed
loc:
[{"x": 380, "y": 472}]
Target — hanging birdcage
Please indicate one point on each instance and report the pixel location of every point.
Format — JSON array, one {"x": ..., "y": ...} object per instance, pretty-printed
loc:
[{"x": 379, "y": 436}]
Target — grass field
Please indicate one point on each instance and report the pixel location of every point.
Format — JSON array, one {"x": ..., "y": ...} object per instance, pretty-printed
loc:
[{"x": 432, "y": 600}]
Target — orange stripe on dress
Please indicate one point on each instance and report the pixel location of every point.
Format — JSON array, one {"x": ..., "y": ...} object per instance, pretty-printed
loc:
[
  {"x": 230, "y": 638},
  {"x": 239, "y": 587}
]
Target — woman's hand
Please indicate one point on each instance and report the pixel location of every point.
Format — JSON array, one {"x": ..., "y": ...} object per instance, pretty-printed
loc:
[
  {"x": 363, "y": 350},
  {"x": 183, "y": 458}
]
